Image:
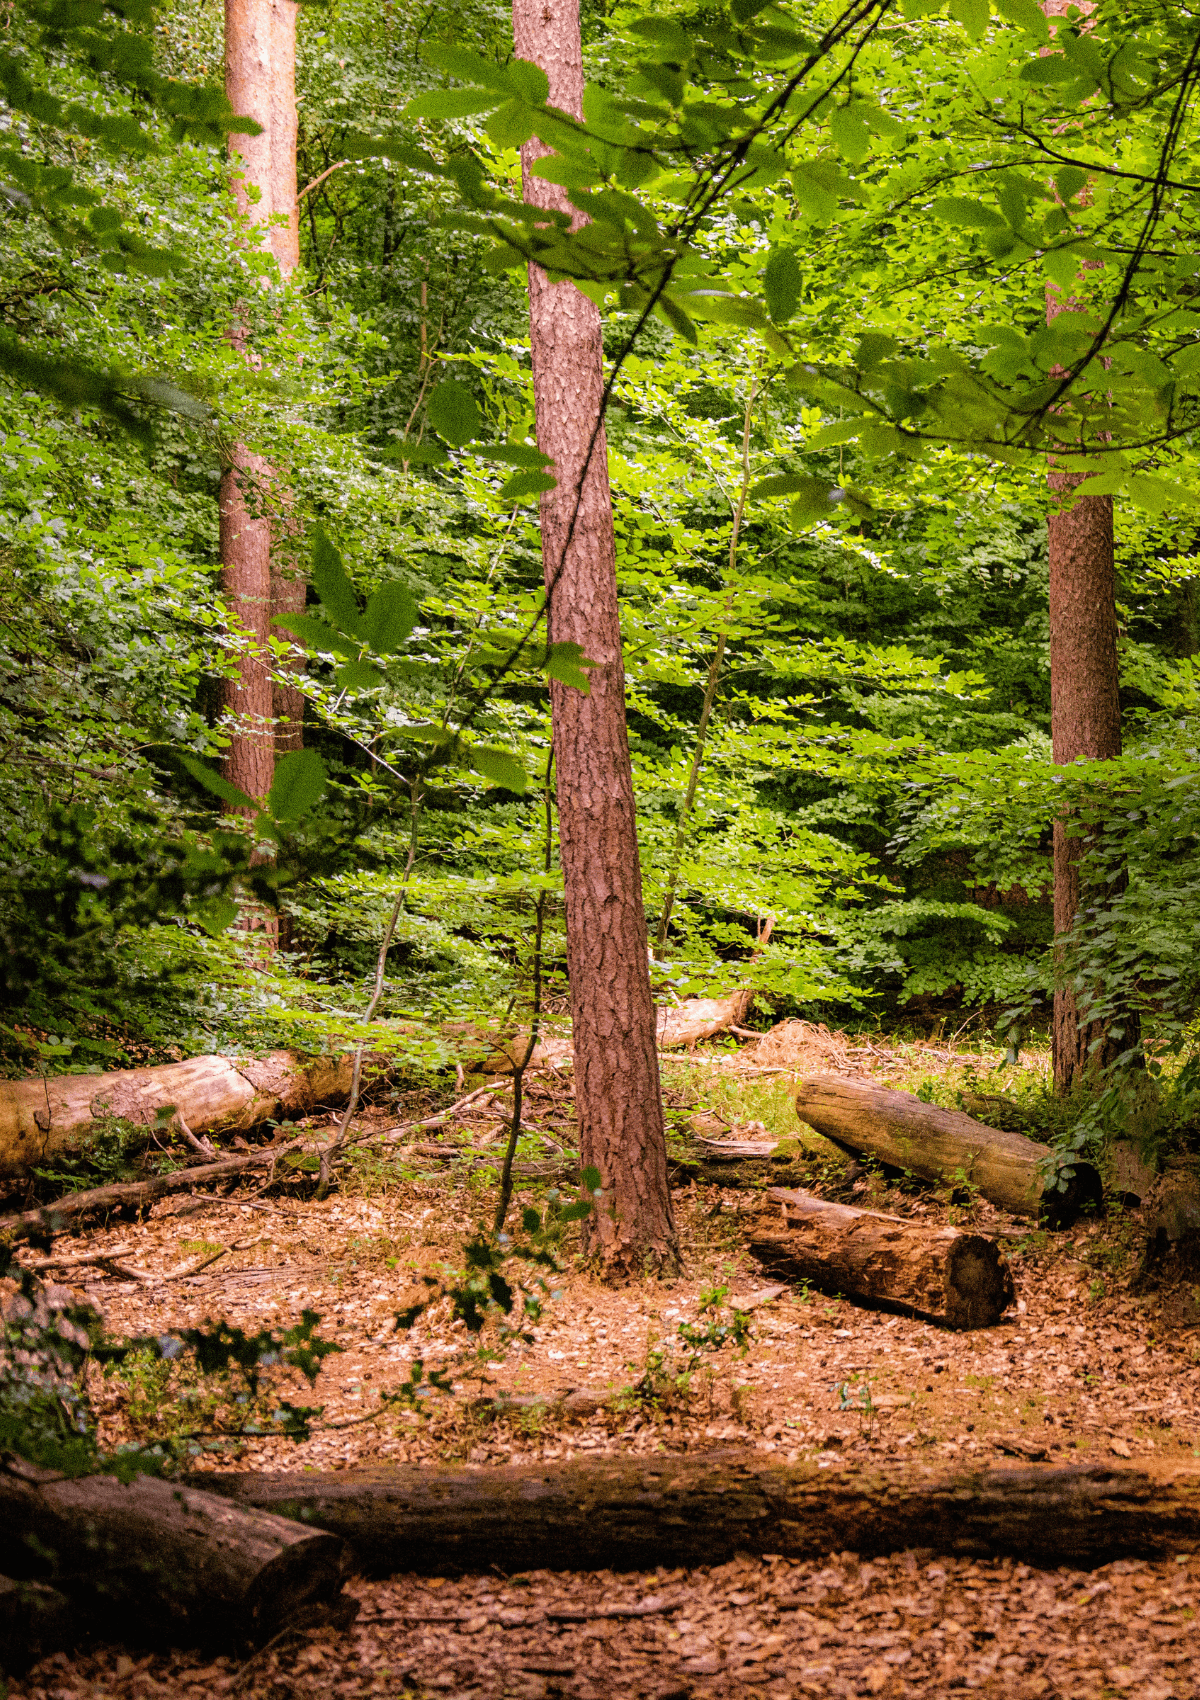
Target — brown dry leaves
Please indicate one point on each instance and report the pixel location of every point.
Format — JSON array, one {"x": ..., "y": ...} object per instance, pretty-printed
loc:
[{"x": 912, "y": 1625}]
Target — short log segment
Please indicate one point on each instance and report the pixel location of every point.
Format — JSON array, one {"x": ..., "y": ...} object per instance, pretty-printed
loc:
[
  {"x": 942, "y": 1274},
  {"x": 173, "y": 1558},
  {"x": 897, "y": 1128},
  {"x": 638, "y": 1513},
  {"x": 40, "y": 1118}
]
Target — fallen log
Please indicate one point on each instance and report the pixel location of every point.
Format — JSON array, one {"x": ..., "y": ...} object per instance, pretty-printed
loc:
[
  {"x": 34, "y": 1620},
  {"x": 898, "y": 1129},
  {"x": 697, "y": 1019},
  {"x": 942, "y": 1274},
  {"x": 612, "y": 1513},
  {"x": 122, "y": 1194},
  {"x": 173, "y": 1558},
  {"x": 41, "y": 1118}
]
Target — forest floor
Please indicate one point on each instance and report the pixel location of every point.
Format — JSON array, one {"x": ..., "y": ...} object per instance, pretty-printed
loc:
[{"x": 1082, "y": 1368}]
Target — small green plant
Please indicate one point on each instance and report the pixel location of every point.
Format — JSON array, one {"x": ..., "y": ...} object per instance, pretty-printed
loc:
[
  {"x": 856, "y": 1399},
  {"x": 672, "y": 1363}
]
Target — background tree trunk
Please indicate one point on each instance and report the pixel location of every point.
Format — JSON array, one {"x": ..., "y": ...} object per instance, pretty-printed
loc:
[
  {"x": 1085, "y": 706},
  {"x": 616, "y": 1065}
]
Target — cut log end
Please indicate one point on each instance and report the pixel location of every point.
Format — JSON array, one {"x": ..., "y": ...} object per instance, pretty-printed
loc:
[{"x": 979, "y": 1283}]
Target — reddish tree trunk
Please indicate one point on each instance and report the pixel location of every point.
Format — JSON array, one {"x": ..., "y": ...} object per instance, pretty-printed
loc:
[
  {"x": 1085, "y": 720},
  {"x": 616, "y": 1063},
  {"x": 246, "y": 583},
  {"x": 285, "y": 238}
]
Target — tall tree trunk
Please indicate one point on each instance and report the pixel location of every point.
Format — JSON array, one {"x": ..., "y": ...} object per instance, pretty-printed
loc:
[
  {"x": 616, "y": 1063},
  {"x": 288, "y": 588},
  {"x": 1085, "y": 708}
]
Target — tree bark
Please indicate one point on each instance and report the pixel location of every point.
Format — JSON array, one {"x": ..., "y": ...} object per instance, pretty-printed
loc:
[
  {"x": 1085, "y": 705},
  {"x": 616, "y": 1064},
  {"x": 621, "y": 1513},
  {"x": 961, "y": 1280},
  {"x": 940, "y": 1145},
  {"x": 40, "y": 1119},
  {"x": 174, "y": 1558}
]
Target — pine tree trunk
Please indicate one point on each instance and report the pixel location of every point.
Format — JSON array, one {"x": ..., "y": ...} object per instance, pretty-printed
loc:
[
  {"x": 616, "y": 1065},
  {"x": 1085, "y": 719}
]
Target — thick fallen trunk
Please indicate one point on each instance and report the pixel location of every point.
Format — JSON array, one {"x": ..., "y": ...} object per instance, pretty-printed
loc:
[
  {"x": 175, "y": 1558},
  {"x": 640, "y": 1513},
  {"x": 962, "y": 1280},
  {"x": 697, "y": 1019},
  {"x": 941, "y": 1145},
  {"x": 40, "y": 1118},
  {"x": 34, "y": 1620},
  {"x": 122, "y": 1194}
]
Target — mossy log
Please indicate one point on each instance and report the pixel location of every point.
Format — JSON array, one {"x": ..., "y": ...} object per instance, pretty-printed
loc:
[
  {"x": 899, "y": 1129},
  {"x": 174, "y": 1559},
  {"x": 613, "y": 1513},
  {"x": 960, "y": 1279},
  {"x": 40, "y": 1119}
]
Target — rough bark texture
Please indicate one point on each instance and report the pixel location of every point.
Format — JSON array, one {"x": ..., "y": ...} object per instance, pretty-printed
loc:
[
  {"x": 1085, "y": 720},
  {"x": 940, "y": 1145},
  {"x": 174, "y": 1557},
  {"x": 962, "y": 1280},
  {"x": 125, "y": 1195},
  {"x": 616, "y": 1064},
  {"x": 246, "y": 585},
  {"x": 616, "y": 1513},
  {"x": 285, "y": 239},
  {"x": 41, "y": 1118}
]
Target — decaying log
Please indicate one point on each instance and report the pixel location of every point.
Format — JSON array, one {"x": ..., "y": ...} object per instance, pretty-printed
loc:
[
  {"x": 610, "y": 1513},
  {"x": 897, "y": 1128},
  {"x": 697, "y": 1019},
  {"x": 125, "y": 1193},
  {"x": 174, "y": 1558},
  {"x": 943, "y": 1274},
  {"x": 40, "y": 1118},
  {"x": 1171, "y": 1217},
  {"x": 34, "y": 1620}
]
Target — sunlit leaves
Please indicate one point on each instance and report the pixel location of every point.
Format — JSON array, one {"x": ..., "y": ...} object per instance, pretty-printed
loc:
[
  {"x": 454, "y": 413},
  {"x": 781, "y": 285}
]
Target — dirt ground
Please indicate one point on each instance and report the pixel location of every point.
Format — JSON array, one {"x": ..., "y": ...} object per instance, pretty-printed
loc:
[{"x": 1082, "y": 1367}]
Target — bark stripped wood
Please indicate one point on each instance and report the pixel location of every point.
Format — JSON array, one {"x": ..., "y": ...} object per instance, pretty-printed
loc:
[
  {"x": 618, "y": 1096},
  {"x": 124, "y": 1195},
  {"x": 41, "y": 1118},
  {"x": 640, "y": 1513},
  {"x": 962, "y": 1280},
  {"x": 697, "y": 1019},
  {"x": 173, "y": 1558},
  {"x": 945, "y": 1146}
]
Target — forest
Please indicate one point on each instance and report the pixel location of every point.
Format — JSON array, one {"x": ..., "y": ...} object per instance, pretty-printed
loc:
[{"x": 599, "y": 925}]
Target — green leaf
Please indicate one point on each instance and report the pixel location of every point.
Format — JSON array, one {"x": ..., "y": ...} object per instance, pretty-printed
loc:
[
  {"x": 565, "y": 662},
  {"x": 513, "y": 454},
  {"x": 1061, "y": 265},
  {"x": 841, "y": 431},
  {"x": 851, "y": 137},
  {"x": 417, "y": 454},
  {"x": 300, "y": 778},
  {"x": 1069, "y": 181},
  {"x": 1027, "y": 15},
  {"x": 315, "y": 634},
  {"x": 680, "y": 322},
  {"x": 590, "y": 1179},
  {"x": 467, "y": 66},
  {"x": 815, "y": 183},
  {"x": 213, "y": 781},
  {"x": 215, "y": 914},
  {"x": 968, "y": 214},
  {"x": 453, "y": 413},
  {"x": 333, "y": 586},
  {"x": 451, "y": 103},
  {"x": 972, "y": 15},
  {"x": 358, "y": 676},
  {"x": 667, "y": 39},
  {"x": 1053, "y": 68},
  {"x": 390, "y": 617},
  {"x": 522, "y": 485},
  {"x": 785, "y": 484},
  {"x": 500, "y": 766},
  {"x": 781, "y": 285},
  {"x": 513, "y": 125},
  {"x": 528, "y": 81}
]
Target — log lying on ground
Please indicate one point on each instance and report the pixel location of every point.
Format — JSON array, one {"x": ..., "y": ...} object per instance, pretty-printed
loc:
[
  {"x": 961, "y": 1280},
  {"x": 697, "y": 1019},
  {"x": 941, "y": 1145},
  {"x": 122, "y": 1194},
  {"x": 34, "y": 1620},
  {"x": 40, "y": 1118},
  {"x": 603, "y": 1513},
  {"x": 174, "y": 1559}
]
